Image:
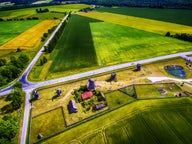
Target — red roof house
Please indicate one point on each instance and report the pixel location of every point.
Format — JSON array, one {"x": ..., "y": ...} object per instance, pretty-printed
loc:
[{"x": 86, "y": 95}]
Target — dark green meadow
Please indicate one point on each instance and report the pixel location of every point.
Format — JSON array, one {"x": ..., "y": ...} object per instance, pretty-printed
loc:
[
  {"x": 75, "y": 49},
  {"x": 179, "y": 16}
]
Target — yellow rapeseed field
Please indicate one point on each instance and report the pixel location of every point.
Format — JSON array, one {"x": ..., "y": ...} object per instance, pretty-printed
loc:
[
  {"x": 31, "y": 38},
  {"x": 150, "y": 25}
]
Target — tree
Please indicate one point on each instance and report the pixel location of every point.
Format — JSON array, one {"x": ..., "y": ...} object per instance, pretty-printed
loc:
[
  {"x": 24, "y": 58},
  {"x": 8, "y": 129},
  {"x": 17, "y": 98},
  {"x": 18, "y": 85},
  {"x": 168, "y": 34},
  {"x": 3, "y": 62},
  {"x": 44, "y": 59},
  {"x": 3, "y": 80}
]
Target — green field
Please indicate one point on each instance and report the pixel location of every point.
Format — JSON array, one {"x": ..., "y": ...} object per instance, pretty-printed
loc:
[
  {"x": 157, "y": 121},
  {"x": 47, "y": 124},
  {"x": 9, "y": 30},
  {"x": 118, "y": 44},
  {"x": 179, "y": 16},
  {"x": 75, "y": 49},
  {"x": 117, "y": 98},
  {"x": 151, "y": 91}
]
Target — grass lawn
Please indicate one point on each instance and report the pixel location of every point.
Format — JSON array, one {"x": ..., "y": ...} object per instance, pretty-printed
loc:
[
  {"x": 150, "y": 25},
  {"x": 152, "y": 90},
  {"x": 135, "y": 120},
  {"x": 9, "y": 30},
  {"x": 129, "y": 90},
  {"x": 47, "y": 124},
  {"x": 158, "y": 68},
  {"x": 117, "y": 98},
  {"x": 167, "y": 15},
  {"x": 31, "y": 38}
]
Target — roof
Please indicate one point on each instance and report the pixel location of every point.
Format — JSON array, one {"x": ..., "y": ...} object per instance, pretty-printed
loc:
[
  {"x": 86, "y": 95},
  {"x": 72, "y": 106},
  {"x": 99, "y": 106}
]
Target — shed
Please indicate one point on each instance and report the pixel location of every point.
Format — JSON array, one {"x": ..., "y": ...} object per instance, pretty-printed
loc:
[
  {"x": 86, "y": 95},
  {"x": 99, "y": 106},
  {"x": 72, "y": 107}
]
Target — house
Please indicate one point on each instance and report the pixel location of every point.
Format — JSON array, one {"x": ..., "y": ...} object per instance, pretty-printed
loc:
[
  {"x": 86, "y": 95},
  {"x": 99, "y": 106},
  {"x": 72, "y": 107}
]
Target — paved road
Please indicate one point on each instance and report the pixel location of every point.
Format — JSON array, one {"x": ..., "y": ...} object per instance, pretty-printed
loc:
[
  {"x": 157, "y": 79},
  {"x": 26, "y": 116},
  {"x": 105, "y": 69}
]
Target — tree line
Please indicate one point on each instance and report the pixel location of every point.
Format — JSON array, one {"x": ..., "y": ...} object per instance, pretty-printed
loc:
[
  {"x": 181, "y": 36},
  {"x": 19, "y": 19},
  {"x": 49, "y": 48},
  {"x": 10, "y": 69}
]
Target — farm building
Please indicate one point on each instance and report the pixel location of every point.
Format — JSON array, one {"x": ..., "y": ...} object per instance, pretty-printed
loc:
[
  {"x": 91, "y": 85},
  {"x": 72, "y": 107},
  {"x": 86, "y": 95},
  {"x": 99, "y": 106}
]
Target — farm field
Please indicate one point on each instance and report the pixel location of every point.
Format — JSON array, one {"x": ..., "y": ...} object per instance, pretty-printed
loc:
[
  {"x": 166, "y": 15},
  {"x": 31, "y": 38},
  {"x": 119, "y": 44},
  {"x": 144, "y": 24},
  {"x": 173, "y": 114},
  {"x": 31, "y": 11},
  {"x": 9, "y": 30},
  {"x": 98, "y": 48}
]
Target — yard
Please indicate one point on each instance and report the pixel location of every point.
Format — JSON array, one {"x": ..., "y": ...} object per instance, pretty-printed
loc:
[{"x": 158, "y": 90}]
